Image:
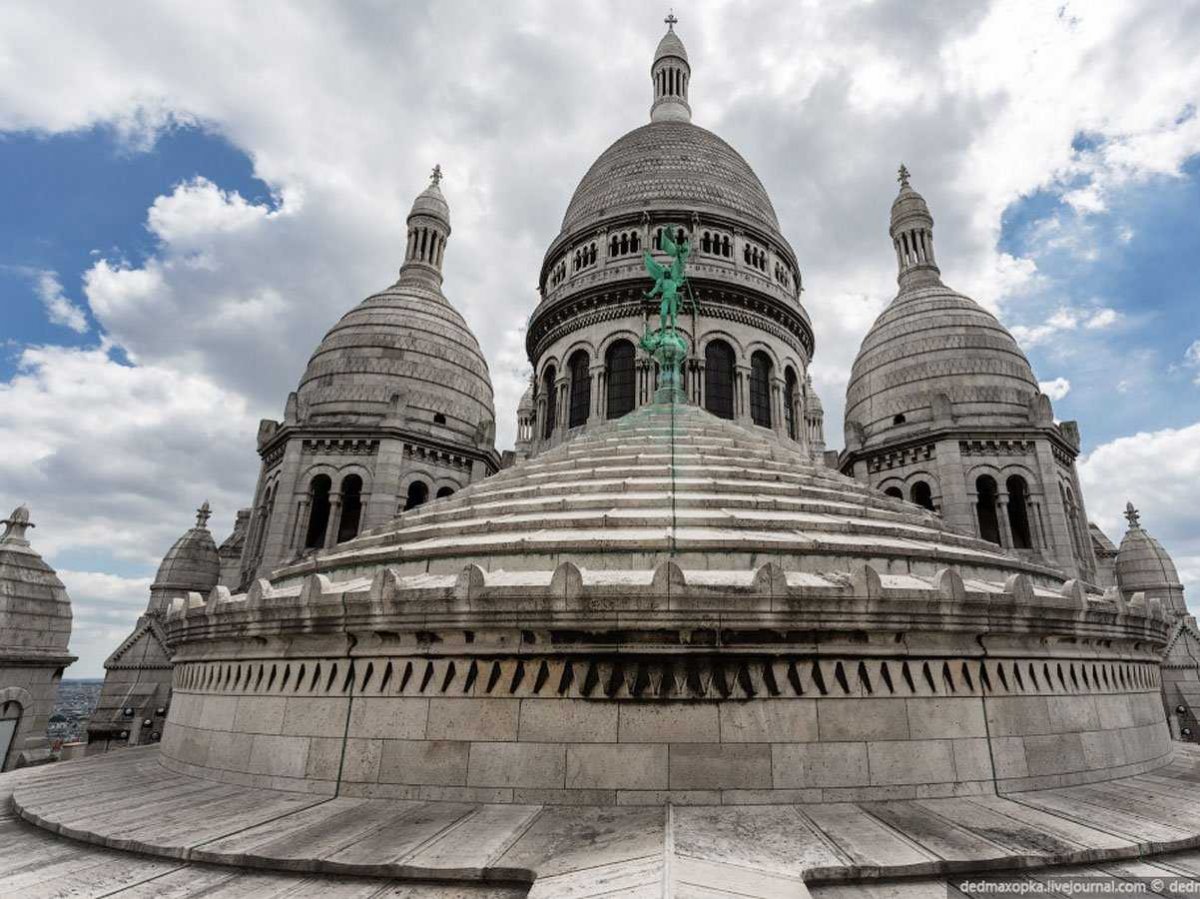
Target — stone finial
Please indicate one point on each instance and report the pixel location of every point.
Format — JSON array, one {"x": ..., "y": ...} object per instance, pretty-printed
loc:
[
  {"x": 436, "y": 176},
  {"x": 16, "y": 525},
  {"x": 203, "y": 514},
  {"x": 1132, "y": 516},
  {"x": 670, "y": 20},
  {"x": 903, "y": 176}
]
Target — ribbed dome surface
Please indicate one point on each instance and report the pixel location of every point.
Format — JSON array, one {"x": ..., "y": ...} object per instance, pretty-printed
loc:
[
  {"x": 723, "y": 501},
  {"x": 406, "y": 341},
  {"x": 1143, "y": 565},
  {"x": 35, "y": 611},
  {"x": 932, "y": 341},
  {"x": 670, "y": 165},
  {"x": 191, "y": 565}
]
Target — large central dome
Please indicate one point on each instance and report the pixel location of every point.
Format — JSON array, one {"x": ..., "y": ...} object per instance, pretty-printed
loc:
[{"x": 670, "y": 164}]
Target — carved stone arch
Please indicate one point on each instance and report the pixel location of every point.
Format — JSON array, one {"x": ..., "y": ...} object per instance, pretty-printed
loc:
[
  {"x": 756, "y": 345},
  {"x": 708, "y": 336},
  {"x": 1032, "y": 481},
  {"x": 19, "y": 695},
  {"x": 328, "y": 469},
  {"x": 621, "y": 334},
  {"x": 579, "y": 343},
  {"x": 978, "y": 470},
  {"x": 892, "y": 482},
  {"x": 356, "y": 468}
]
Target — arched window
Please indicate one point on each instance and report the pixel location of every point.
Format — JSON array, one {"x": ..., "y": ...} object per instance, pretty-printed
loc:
[
  {"x": 551, "y": 403},
  {"x": 989, "y": 525},
  {"x": 922, "y": 495},
  {"x": 619, "y": 362},
  {"x": 746, "y": 254},
  {"x": 443, "y": 492},
  {"x": 439, "y": 418},
  {"x": 318, "y": 516},
  {"x": 592, "y": 254},
  {"x": 614, "y": 246},
  {"x": 418, "y": 495},
  {"x": 760, "y": 389},
  {"x": 725, "y": 250},
  {"x": 635, "y": 242},
  {"x": 718, "y": 378},
  {"x": 624, "y": 243},
  {"x": 789, "y": 400},
  {"x": 1018, "y": 512},
  {"x": 895, "y": 492},
  {"x": 351, "y": 508},
  {"x": 581, "y": 389},
  {"x": 706, "y": 243}
]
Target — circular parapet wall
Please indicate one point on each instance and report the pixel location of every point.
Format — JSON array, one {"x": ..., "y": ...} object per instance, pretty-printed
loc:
[{"x": 534, "y": 640}]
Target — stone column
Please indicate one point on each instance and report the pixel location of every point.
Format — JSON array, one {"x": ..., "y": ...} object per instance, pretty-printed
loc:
[
  {"x": 300, "y": 525},
  {"x": 335, "y": 520},
  {"x": 958, "y": 498},
  {"x": 741, "y": 393},
  {"x": 1006, "y": 535},
  {"x": 1034, "y": 511}
]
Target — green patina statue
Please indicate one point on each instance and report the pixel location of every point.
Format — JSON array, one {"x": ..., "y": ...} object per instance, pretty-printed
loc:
[{"x": 666, "y": 345}]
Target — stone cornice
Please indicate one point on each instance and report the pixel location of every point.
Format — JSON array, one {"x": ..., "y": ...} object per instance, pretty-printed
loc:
[{"x": 338, "y": 435}]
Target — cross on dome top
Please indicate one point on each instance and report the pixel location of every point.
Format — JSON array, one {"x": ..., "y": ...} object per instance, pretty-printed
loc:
[
  {"x": 903, "y": 176},
  {"x": 436, "y": 175},
  {"x": 671, "y": 20},
  {"x": 202, "y": 515},
  {"x": 1132, "y": 516}
]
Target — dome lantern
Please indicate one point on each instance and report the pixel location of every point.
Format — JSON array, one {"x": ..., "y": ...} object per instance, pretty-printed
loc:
[
  {"x": 912, "y": 236},
  {"x": 428, "y": 231},
  {"x": 670, "y": 72}
]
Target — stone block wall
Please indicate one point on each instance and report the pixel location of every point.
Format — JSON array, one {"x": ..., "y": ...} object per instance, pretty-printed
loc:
[{"x": 507, "y": 731}]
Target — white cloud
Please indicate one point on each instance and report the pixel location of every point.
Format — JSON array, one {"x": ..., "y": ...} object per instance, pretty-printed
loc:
[
  {"x": 59, "y": 308},
  {"x": 104, "y": 607},
  {"x": 1191, "y": 358},
  {"x": 1062, "y": 320},
  {"x": 1056, "y": 389}
]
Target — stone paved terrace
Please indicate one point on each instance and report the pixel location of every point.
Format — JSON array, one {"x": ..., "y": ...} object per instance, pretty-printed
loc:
[{"x": 121, "y": 824}]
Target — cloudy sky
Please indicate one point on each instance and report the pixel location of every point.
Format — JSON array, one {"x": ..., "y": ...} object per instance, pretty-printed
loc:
[{"x": 191, "y": 194}]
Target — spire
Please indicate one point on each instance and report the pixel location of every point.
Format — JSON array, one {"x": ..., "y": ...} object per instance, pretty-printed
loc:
[
  {"x": 428, "y": 231},
  {"x": 203, "y": 514},
  {"x": 16, "y": 525},
  {"x": 1131, "y": 515},
  {"x": 670, "y": 73},
  {"x": 912, "y": 236}
]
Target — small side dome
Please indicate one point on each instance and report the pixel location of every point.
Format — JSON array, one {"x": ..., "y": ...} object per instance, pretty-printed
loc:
[
  {"x": 933, "y": 353},
  {"x": 526, "y": 404},
  {"x": 35, "y": 611},
  {"x": 193, "y": 564},
  {"x": 1143, "y": 566}
]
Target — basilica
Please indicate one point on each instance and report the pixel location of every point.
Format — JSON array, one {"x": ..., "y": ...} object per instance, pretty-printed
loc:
[{"x": 656, "y": 648}]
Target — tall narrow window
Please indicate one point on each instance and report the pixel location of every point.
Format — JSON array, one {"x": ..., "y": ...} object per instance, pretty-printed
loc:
[
  {"x": 318, "y": 516},
  {"x": 1018, "y": 512},
  {"x": 619, "y": 362},
  {"x": 581, "y": 389},
  {"x": 760, "y": 389},
  {"x": 989, "y": 524},
  {"x": 718, "y": 379},
  {"x": 418, "y": 495},
  {"x": 789, "y": 400},
  {"x": 548, "y": 389},
  {"x": 922, "y": 495},
  {"x": 351, "y": 508}
]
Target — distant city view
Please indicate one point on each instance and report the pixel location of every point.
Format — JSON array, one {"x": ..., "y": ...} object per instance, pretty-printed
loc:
[{"x": 76, "y": 701}]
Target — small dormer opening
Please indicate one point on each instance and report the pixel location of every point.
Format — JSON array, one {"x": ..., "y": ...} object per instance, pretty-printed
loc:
[
  {"x": 899, "y": 419},
  {"x": 439, "y": 418}
]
